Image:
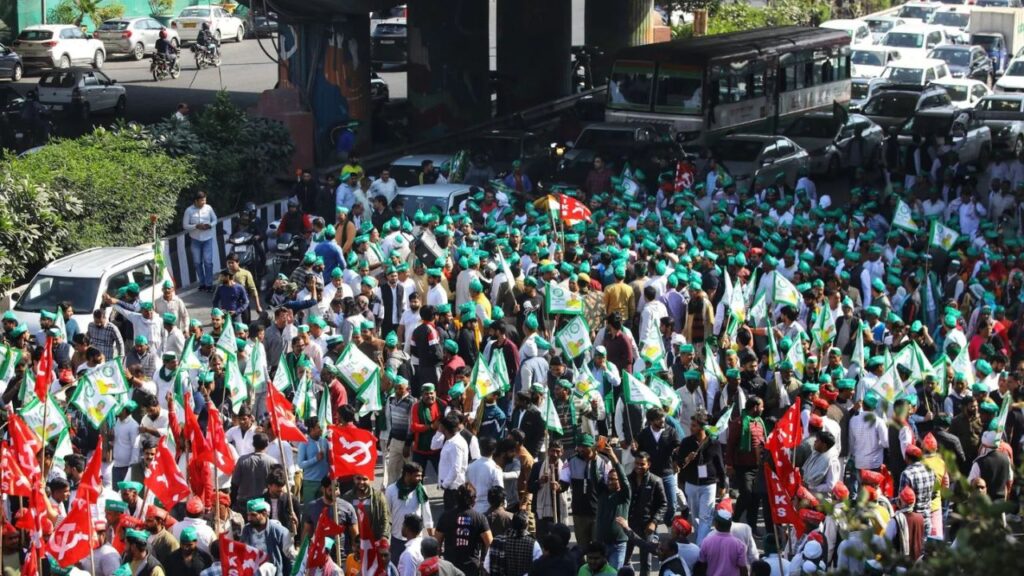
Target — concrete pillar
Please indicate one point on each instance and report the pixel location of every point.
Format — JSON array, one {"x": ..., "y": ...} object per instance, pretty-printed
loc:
[
  {"x": 615, "y": 24},
  {"x": 448, "y": 72},
  {"x": 534, "y": 41}
]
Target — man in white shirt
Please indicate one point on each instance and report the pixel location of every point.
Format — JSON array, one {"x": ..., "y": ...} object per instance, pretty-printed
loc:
[
  {"x": 454, "y": 459},
  {"x": 194, "y": 510},
  {"x": 156, "y": 423},
  {"x": 386, "y": 187},
  {"x": 410, "y": 559},
  {"x": 240, "y": 436},
  {"x": 407, "y": 498},
  {"x": 172, "y": 340},
  {"x": 126, "y": 434},
  {"x": 483, "y": 473},
  {"x": 869, "y": 436},
  {"x": 200, "y": 223},
  {"x": 436, "y": 294}
]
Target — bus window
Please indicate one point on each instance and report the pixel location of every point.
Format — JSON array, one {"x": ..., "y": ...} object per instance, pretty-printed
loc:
[
  {"x": 679, "y": 89},
  {"x": 630, "y": 85},
  {"x": 757, "y": 85}
]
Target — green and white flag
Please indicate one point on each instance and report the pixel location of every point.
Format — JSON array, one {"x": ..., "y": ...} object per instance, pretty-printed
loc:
[
  {"x": 100, "y": 391},
  {"x": 942, "y": 236},
  {"x": 1004, "y": 411},
  {"x": 59, "y": 324},
  {"x": 503, "y": 266},
  {"x": 551, "y": 421},
  {"x": 722, "y": 424},
  {"x": 257, "y": 367},
  {"x": 323, "y": 408},
  {"x": 669, "y": 399},
  {"x": 712, "y": 371},
  {"x": 574, "y": 338},
  {"x": 783, "y": 291},
  {"x": 759, "y": 311},
  {"x": 797, "y": 358},
  {"x": 189, "y": 361},
  {"x": 774, "y": 356},
  {"x": 904, "y": 219},
  {"x": 55, "y": 420},
  {"x": 824, "y": 329},
  {"x": 963, "y": 367},
  {"x": 652, "y": 349},
  {"x": 560, "y": 300},
  {"x": 227, "y": 341},
  {"x": 369, "y": 395},
  {"x": 939, "y": 372},
  {"x": 500, "y": 371},
  {"x": 482, "y": 380},
  {"x": 636, "y": 392},
  {"x": 284, "y": 378},
  {"x": 234, "y": 381},
  {"x": 356, "y": 368},
  {"x": 302, "y": 401},
  {"x": 913, "y": 359},
  {"x": 9, "y": 359},
  {"x": 586, "y": 383}
]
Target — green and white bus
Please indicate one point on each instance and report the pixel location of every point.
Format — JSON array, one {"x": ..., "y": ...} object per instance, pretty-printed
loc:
[{"x": 706, "y": 87}]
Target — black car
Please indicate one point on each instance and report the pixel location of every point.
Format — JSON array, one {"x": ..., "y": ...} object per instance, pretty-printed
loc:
[
  {"x": 263, "y": 27},
  {"x": 389, "y": 44},
  {"x": 10, "y": 64},
  {"x": 965, "y": 61},
  {"x": 503, "y": 147}
]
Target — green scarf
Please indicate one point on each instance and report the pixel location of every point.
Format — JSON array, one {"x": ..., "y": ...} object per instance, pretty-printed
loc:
[
  {"x": 745, "y": 433},
  {"x": 423, "y": 441},
  {"x": 404, "y": 491}
]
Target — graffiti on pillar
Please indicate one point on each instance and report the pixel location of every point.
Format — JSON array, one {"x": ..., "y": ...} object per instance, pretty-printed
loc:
[{"x": 330, "y": 66}]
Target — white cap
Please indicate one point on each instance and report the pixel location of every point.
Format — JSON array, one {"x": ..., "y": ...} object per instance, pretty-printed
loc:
[
  {"x": 809, "y": 567},
  {"x": 812, "y": 550},
  {"x": 824, "y": 202},
  {"x": 990, "y": 439}
]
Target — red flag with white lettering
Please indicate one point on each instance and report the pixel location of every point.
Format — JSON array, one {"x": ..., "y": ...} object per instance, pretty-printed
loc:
[
  {"x": 787, "y": 474},
  {"x": 91, "y": 485},
  {"x": 25, "y": 446},
  {"x": 282, "y": 417},
  {"x": 325, "y": 527},
  {"x": 369, "y": 558},
  {"x": 223, "y": 459},
  {"x": 572, "y": 210},
  {"x": 788, "y": 431},
  {"x": 237, "y": 559},
  {"x": 30, "y": 567},
  {"x": 685, "y": 173},
  {"x": 200, "y": 448},
  {"x": 780, "y": 503},
  {"x": 71, "y": 540},
  {"x": 44, "y": 371},
  {"x": 888, "y": 486},
  {"x": 165, "y": 480},
  {"x": 13, "y": 480},
  {"x": 353, "y": 451}
]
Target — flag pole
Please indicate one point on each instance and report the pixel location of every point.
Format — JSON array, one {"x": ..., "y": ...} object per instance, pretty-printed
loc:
[
  {"x": 778, "y": 547},
  {"x": 216, "y": 500},
  {"x": 287, "y": 479},
  {"x": 152, "y": 297}
]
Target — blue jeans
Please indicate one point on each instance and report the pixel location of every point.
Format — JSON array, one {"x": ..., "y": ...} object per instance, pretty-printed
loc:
[
  {"x": 669, "y": 482},
  {"x": 701, "y": 500},
  {"x": 616, "y": 552},
  {"x": 202, "y": 259}
]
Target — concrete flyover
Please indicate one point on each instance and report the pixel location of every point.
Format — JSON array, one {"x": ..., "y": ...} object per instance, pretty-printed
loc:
[{"x": 323, "y": 89}]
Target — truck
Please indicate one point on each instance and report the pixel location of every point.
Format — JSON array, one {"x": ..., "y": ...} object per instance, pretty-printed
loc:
[{"x": 1000, "y": 31}]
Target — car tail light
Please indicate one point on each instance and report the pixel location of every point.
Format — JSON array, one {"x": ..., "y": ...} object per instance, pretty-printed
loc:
[
  {"x": 126, "y": 35},
  {"x": 76, "y": 94},
  {"x": 50, "y": 44}
]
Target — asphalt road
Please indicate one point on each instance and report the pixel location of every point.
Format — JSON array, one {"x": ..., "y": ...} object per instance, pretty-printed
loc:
[{"x": 245, "y": 72}]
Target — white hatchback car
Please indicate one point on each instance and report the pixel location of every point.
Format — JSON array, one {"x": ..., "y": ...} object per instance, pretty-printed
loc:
[
  {"x": 964, "y": 92},
  {"x": 224, "y": 26},
  {"x": 81, "y": 91},
  {"x": 916, "y": 71},
  {"x": 58, "y": 46}
]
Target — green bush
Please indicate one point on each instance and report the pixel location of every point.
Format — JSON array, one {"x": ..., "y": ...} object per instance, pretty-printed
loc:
[
  {"x": 119, "y": 180},
  {"x": 35, "y": 225},
  {"x": 161, "y": 7},
  {"x": 724, "y": 17},
  {"x": 109, "y": 12},
  {"x": 63, "y": 13}
]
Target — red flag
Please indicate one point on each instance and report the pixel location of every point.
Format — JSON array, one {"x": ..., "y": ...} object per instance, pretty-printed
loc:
[
  {"x": 237, "y": 559},
  {"x": 685, "y": 173},
  {"x": 165, "y": 480},
  {"x": 787, "y": 474},
  {"x": 71, "y": 540},
  {"x": 30, "y": 567},
  {"x": 123, "y": 524},
  {"x": 91, "y": 485},
  {"x": 788, "y": 431},
  {"x": 44, "y": 371},
  {"x": 780, "y": 502},
  {"x": 370, "y": 564},
  {"x": 222, "y": 457},
  {"x": 25, "y": 446},
  {"x": 194, "y": 434},
  {"x": 888, "y": 487},
  {"x": 353, "y": 451},
  {"x": 13, "y": 480},
  {"x": 282, "y": 417},
  {"x": 573, "y": 211},
  {"x": 325, "y": 527}
]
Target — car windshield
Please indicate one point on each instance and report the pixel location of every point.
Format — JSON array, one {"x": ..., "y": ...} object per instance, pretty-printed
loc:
[
  {"x": 405, "y": 175},
  {"x": 737, "y": 150},
  {"x": 894, "y": 105},
  {"x": 114, "y": 25},
  {"x": 952, "y": 56},
  {"x": 984, "y": 40},
  {"x": 899, "y": 75},
  {"x": 58, "y": 80},
  {"x": 859, "y": 90},
  {"x": 996, "y": 3},
  {"x": 951, "y": 19},
  {"x": 866, "y": 58},
  {"x": 919, "y": 12},
  {"x": 1016, "y": 68},
  {"x": 47, "y": 292},
  {"x": 904, "y": 40},
  {"x": 680, "y": 89},
  {"x": 956, "y": 93},
  {"x": 630, "y": 85},
  {"x": 35, "y": 35},
  {"x": 415, "y": 203},
  {"x": 195, "y": 13},
  {"x": 812, "y": 127},
  {"x": 999, "y": 105},
  {"x": 596, "y": 139},
  {"x": 496, "y": 147},
  {"x": 880, "y": 26}
]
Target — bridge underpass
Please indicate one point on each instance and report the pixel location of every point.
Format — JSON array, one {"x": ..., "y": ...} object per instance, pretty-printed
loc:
[{"x": 323, "y": 91}]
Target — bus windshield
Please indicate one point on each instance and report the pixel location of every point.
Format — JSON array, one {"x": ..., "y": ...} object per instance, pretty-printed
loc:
[
  {"x": 629, "y": 87},
  {"x": 680, "y": 90}
]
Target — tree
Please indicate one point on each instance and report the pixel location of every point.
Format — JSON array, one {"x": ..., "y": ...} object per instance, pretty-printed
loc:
[{"x": 35, "y": 224}]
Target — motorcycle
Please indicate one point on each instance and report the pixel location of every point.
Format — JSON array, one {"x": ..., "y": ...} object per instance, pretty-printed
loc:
[
  {"x": 287, "y": 254},
  {"x": 18, "y": 131},
  {"x": 205, "y": 56},
  {"x": 162, "y": 67},
  {"x": 243, "y": 243}
]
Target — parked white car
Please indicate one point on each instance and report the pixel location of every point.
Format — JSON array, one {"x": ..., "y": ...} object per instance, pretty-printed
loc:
[
  {"x": 879, "y": 25},
  {"x": 918, "y": 12},
  {"x": 857, "y": 29},
  {"x": 58, "y": 46},
  {"x": 135, "y": 37},
  {"x": 916, "y": 71},
  {"x": 963, "y": 92},
  {"x": 870, "y": 61},
  {"x": 956, "y": 20},
  {"x": 1013, "y": 79},
  {"x": 81, "y": 92},
  {"x": 916, "y": 40},
  {"x": 224, "y": 26}
]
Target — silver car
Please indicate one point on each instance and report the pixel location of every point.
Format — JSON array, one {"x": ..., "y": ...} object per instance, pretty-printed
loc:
[
  {"x": 831, "y": 141},
  {"x": 134, "y": 37},
  {"x": 750, "y": 158}
]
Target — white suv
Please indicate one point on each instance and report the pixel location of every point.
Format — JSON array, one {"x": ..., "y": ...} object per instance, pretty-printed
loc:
[
  {"x": 58, "y": 46},
  {"x": 82, "y": 279},
  {"x": 81, "y": 91}
]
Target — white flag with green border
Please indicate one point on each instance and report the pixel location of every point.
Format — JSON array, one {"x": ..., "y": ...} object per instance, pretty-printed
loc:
[
  {"x": 227, "y": 341},
  {"x": 722, "y": 424},
  {"x": 574, "y": 338},
  {"x": 759, "y": 311},
  {"x": 963, "y": 367},
  {"x": 370, "y": 395},
  {"x": 189, "y": 360},
  {"x": 824, "y": 329},
  {"x": 55, "y": 420},
  {"x": 482, "y": 380},
  {"x": 797, "y": 358},
  {"x": 669, "y": 399},
  {"x": 942, "y": 236},
  {"x": 284, "y": 379},
  {"x": 234, "y": 381},
  {"x": 323, "y": 410},
  {"x": 500, "y": 371},
  {"x": 560, "y": 300},
  {"x": 783, "y": 291},
  {"x": 356, "y": 368},
  {"x": 636, "y": 392},
  {"x": 9, "y": 359},
  {"x": 903, "y": 218},
  {"x": 100, "y": 391},
  {"x": 652, "y": 349},
  {"x": 551, "y": 421}
]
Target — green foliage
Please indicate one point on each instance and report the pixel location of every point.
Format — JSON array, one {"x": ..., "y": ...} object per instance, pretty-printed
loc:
[
  {"x": 63, "y": 13},
  {"x": 724, "y": 17},
  {"x": 118, "y": 179},
  {"x": 75, "y": 12},
  {"x": 110, "y": 12},
  {"x": 161, "y": 7},
  {"x": 35, "y": 225},
  {"x": 235, "y": 155}
]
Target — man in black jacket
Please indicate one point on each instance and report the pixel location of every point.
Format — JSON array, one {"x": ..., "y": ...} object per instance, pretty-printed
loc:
[
  {"x": 277, "y": 496},
  {"x": 647, "y": 507},
  {"x": 527, "y": 418},
  {"x": 660, "y": 441},
  {"x": 426, "y": 349}
]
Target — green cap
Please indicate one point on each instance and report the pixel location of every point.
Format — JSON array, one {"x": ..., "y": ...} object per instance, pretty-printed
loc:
[
  {"x": 451, "y": 346},
  {"x": 140, "y": 536},
  {"x": 983, "y": 367},
  {"x": 188, "y": 534},
  {"x": 587, "y": 441},
  {"x": 391, "y": 340},
  {"x": 846, "y": 384},
  {"x": 141, "y": 340},
  {"x": 129, "y": 485},
  {"x": 989, "y": 407},
  {"x": 257, "y": 505},
  {"x": 170, "y": 318},
  {"x": 115, "y": 506}
]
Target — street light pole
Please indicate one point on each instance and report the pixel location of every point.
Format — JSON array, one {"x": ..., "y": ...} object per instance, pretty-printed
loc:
[{"x": 42, "y": 8}]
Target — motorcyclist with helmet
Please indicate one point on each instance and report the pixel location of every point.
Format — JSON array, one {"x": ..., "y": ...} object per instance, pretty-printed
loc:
[
  {"x": 33, "y": 117},
  {"x": 207, "y": 40},
  {"x": 297, "y": 223},
  {"x": 166, "y": 49},
  {"x": 249, "y": 221}
]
